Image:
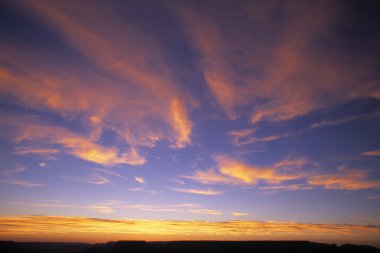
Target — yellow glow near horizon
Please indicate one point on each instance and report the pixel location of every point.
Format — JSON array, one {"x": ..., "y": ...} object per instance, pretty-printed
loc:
[{"x": 83, "y": 229}]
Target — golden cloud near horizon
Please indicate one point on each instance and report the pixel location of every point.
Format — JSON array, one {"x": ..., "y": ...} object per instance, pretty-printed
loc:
[{"x": 70, "y": 228}]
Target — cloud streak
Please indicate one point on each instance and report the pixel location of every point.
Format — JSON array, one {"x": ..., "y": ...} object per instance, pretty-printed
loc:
[
  {"x": 21, "y": 182},
  {"x": 34, "y": 151},
  {"x": 246, "y": 136},
  {"x": 9, "y": 177},
  {"x": 371, "y": 153},
  {"x": 198, "y": 191},
  {"x": 345, "y": 179}
]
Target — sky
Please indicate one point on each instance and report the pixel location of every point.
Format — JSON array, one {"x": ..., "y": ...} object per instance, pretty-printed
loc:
[{"x": 165, "y": 120}]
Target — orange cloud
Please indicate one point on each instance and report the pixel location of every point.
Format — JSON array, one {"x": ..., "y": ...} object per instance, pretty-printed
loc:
[
  {"x": 372, "y": 153},
  {"x": 180, "y": 123},
  {"x": 345, "y": 179},
  {"x": 230, "y": 171},
  {"x": 66, "y": 228},
  {"x": 235, "y": 172},
  {"x": 24, "y": 128}
]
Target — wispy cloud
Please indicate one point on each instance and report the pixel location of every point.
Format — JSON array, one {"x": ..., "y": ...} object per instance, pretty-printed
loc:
[
  {"x": 206, "y": 211},
  {"x": 21, "y": 182},
  {"x": 42, "y": 164},
  {"x": 246, "y": 136},
  {"x": 373, "y": 197},
  {"x": 9, "y": 177},
  {"x": 371, "y": 153},
  {"x": 12, "y": 171},
  {"x": 241, "y": 133},
  {"x": 209, "y": 177},
  {"x": 140, "y": 180},
  {"x": 142, "y": 189},
  {"x": 136, "y": 189},
  {"x": 178, "y": 181},
  {"x": 291, "y": 187},
  {"x": 25, "y": 150},
  {"x": 110, "y": 172},
  {"x": 98, "y": 179},
  {"x": 93, "y": 178},
  {"x": 102, "y": 209},
  {"x": 345, "y": 179},
  {"x": 325, "y": 123},
  {"x": 239, "y": 214},
  {"x": 198, "y": 191}
]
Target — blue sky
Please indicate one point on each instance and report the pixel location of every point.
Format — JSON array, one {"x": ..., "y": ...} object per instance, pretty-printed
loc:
[{"x": 191, "y": 110}]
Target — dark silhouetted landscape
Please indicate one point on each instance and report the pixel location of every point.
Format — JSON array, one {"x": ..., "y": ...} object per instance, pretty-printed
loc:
[{"x": 184, "y": 247}]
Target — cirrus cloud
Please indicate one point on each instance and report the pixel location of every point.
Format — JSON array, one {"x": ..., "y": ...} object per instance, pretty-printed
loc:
[{"x": 27, "y": 128}]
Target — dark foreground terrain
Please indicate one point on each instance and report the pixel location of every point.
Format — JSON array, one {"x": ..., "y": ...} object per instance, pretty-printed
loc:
[{"x": 183, "y": 247}]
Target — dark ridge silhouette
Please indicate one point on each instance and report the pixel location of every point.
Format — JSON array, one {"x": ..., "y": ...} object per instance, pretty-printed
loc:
[
  {"x": 185, "y": 247},
  {"x": 43, "y": 247}
]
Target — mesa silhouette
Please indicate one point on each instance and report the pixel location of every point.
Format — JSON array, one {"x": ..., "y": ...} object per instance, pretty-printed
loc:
[{"x": 184, "y": 247}]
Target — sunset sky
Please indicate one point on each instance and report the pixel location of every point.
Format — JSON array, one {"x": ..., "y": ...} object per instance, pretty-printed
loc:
[{"x": 165, "y": 120}]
